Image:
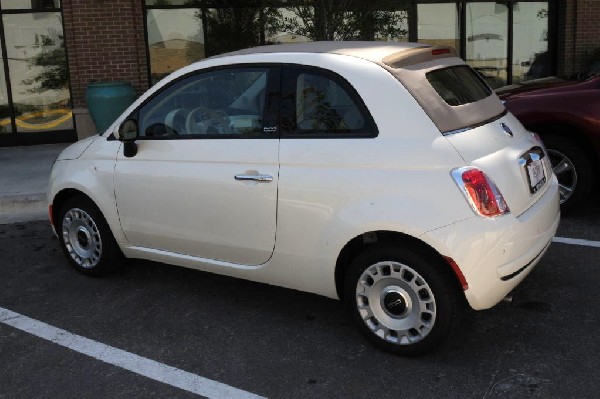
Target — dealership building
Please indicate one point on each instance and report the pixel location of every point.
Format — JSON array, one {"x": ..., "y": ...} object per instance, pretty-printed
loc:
[{"x": 53, "y": 50}]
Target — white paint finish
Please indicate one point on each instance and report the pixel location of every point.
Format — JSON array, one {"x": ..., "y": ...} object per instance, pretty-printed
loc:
[
  {"x": 92, "y": 174},
  {"x": 181, "y": 196},
  {"x": 330, "y": 191},
  {"x": 490, "y": 149},
  {"x": 488, "y": 249},
  {"x": 137, "y": 364},
  {"x": 577, "y": 241}
]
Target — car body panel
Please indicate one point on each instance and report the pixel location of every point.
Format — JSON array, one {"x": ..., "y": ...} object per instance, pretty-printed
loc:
[
  {"x": 562, "y": 104},
  {"x": 497, "y": 153},
  {"x": 325, "y": 191},
  {"x": 191, "y": 203},
  {"x": 489, "y": 251}
]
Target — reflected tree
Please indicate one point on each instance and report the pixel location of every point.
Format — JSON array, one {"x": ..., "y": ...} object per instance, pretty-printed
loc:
[
  {"x": 344, "y": 20},
  {"x": 52, "y": 62},
  {"x": 256, "y": 22}
]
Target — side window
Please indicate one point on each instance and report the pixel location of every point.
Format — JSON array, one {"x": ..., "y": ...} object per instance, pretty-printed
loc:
[
  {"x": 213, "y": 104},
  {"x": 319, "y": 103}
]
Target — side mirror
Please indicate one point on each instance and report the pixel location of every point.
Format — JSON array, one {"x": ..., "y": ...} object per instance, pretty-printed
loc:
[{"x": 128, "y": 132}]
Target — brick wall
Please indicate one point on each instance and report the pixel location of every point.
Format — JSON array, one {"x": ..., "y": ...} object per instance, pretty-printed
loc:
[
  {"x": 105, "y": 42},
  {"x": 578, "y": 34}
]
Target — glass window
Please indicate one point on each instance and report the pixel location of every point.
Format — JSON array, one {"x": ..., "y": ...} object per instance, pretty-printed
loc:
[
  {"x": 5, "y": 125},
  {"x": 487, "y": 41},
  {"x": 531, "y": 59},
  {"x": 175, "y": 39},
  {"x": 315, "y": 103},
  {"x": 233, "y": 28},
  {"x": 167, "y": 2},
  {"x": 289, "y": 25},
  {"x": 337, "y": 21},
  {"x": 38, "y": 71},
  {"x": 458, "y": 85},
  {"x": 438, "y": 25},
  {"x": 29, "y": 4},
  {"x": 210, "y": 104}
]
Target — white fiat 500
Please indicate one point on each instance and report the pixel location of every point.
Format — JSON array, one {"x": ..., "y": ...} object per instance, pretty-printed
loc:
[{"x": 386, "y": 175}]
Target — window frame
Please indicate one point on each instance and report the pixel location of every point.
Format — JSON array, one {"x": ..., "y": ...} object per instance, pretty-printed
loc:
[
  {"x": 16, "y": 137},
  {"x": 289, "y": 77},
  {"x": 270, "y": 107},
  {"x": 462, "y": 30}
]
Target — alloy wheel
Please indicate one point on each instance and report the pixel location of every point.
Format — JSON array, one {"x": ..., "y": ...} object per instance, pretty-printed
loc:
[
  {"x": 396, "y": 303},
  {"x": 82, "y": 238}
]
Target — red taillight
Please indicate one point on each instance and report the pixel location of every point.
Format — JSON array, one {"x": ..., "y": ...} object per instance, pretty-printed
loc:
[
  {"x": 481, "y": 192},
  {"x": 439, "y": 51}
]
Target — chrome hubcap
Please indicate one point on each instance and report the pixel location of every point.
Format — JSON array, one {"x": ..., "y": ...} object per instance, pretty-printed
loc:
[
  {"x": 82, "y": 238},
  {"x": 395, "y": 303},
  {"x": 565, "y": 172}
]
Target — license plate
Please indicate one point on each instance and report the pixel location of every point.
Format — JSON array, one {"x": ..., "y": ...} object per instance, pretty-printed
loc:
[{"x": 535, "y": 172}]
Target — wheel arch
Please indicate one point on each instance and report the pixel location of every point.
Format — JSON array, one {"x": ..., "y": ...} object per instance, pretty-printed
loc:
[
  {"x": 362, "y": 241},
  {"x": 59, "y": 200},
  {"x": 67, "y": 193}
]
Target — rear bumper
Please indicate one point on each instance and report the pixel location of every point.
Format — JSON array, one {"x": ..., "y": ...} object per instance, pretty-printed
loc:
[{"x": 495, "y": 255}]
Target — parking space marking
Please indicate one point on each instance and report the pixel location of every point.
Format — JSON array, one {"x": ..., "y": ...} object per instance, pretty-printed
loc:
[
  {"x": 126, "y": 360},
  {"x": 577, "y": 241}
]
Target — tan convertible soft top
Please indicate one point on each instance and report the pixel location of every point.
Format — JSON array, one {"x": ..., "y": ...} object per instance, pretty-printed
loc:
[{"x": 409, "y": 63}]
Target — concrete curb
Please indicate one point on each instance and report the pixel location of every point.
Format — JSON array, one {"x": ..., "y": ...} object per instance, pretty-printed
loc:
[{"x": 23, "y": 208}]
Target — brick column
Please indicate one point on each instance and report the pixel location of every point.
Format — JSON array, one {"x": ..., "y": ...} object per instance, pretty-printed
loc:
[
  {"x": 105, "y": 42},
  {"x": 578, "y": 34}
]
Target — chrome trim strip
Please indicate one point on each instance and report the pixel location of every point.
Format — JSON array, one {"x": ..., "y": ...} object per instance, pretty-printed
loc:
[
  {"x": 258, "y": 178},
  {"x": 464, "y": 129}
]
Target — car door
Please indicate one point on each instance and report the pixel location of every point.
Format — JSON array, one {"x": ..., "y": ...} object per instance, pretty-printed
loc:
[{"x": 204, "y": 179}]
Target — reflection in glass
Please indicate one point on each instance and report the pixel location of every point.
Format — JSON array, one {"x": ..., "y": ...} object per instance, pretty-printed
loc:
[
  {"x": 487, "y": 31},
  {"x": 338, "y": 20},
  {"x": 530, "y": 49},
  {"x": 438, "y": 25},
  {"x": 38, "y": 71},
  {"x": 5, "y": 125},
  {"x": 233, "y": 28},
  {"x": 166, "y": 2},
  {"x": 29, "y": 4},
  {"x": 175, "y": 39}
]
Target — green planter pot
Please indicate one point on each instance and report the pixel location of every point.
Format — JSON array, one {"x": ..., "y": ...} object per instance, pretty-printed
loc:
[{"x": 107, "y": 100}]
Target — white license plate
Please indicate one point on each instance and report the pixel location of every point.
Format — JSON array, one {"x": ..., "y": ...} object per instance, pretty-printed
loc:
[{"x": 537, "y": 178}]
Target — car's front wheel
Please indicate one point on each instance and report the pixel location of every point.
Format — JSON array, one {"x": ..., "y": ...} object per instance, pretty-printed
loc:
[
  {"x": 402, "y": 299},
  {"x": 85, "y": 237}
]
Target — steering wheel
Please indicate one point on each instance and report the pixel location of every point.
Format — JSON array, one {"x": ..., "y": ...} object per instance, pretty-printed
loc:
[
  {"x": 175, "y": 121},
  {"x": 203, "y": 120}
]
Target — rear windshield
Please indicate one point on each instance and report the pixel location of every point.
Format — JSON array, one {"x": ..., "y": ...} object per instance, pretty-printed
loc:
[{"x": 458, "y": 85}]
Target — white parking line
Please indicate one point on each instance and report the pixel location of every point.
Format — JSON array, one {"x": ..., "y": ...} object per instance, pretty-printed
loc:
[
  {"x": 120, "y": 358},
  {"x": 577, "y": 241}
]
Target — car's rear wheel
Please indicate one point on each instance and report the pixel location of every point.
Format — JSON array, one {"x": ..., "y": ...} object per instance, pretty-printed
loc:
[
  {"x": 403, "y": 300},
  {"x": 572, "y": 169},
  {"x": 85, "y": 237}
]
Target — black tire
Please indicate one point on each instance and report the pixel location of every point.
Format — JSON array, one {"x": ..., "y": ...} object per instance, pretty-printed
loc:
[
  {"x": 86, "y": 239},
  {"x": 416, "y": 299},
  {"x": 573, "y": 169}
]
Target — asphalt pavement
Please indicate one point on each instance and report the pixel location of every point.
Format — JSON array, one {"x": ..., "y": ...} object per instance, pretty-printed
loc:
[{"x": 126, "y": 334}]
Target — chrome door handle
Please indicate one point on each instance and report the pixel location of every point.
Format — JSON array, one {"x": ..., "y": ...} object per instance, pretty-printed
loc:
[{"x": 258, "y": 178}]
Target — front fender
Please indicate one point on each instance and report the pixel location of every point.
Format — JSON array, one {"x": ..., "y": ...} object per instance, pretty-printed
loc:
[{"x": 92, "y": 175}]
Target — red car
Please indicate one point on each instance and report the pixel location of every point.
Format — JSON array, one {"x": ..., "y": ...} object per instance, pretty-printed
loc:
[{"x": 566, "y": 114}]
